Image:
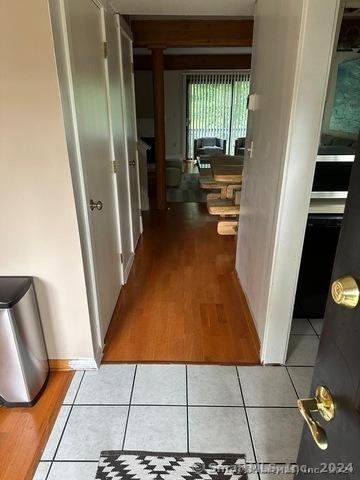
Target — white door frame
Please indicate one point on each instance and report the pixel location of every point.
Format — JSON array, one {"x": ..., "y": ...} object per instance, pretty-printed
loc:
[
  {"x": 124, "y": 29},
  {"x": 63, "y": 60},
  {"x": 112, "y": 150},
  {"x": 313, "y": 62}
]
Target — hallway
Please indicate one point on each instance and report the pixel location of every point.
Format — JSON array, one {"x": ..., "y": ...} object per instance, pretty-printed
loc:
[{"x": 182, "y": 302}]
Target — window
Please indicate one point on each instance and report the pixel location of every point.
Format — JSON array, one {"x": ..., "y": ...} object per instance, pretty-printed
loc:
[{"x": 216, "y": 107}]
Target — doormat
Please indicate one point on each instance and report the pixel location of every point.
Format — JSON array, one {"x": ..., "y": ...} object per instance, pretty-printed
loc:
[{"x": 124, "y": 465}]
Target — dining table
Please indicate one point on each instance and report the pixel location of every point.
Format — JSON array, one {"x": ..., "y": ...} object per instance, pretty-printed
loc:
[{"x": 231, "y": 174}]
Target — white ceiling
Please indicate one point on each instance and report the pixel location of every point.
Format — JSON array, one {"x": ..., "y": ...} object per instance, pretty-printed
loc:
[{"x": 186, "y": 7}]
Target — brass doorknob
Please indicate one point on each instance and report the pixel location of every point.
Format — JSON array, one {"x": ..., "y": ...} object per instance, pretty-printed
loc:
[
  {"x": 322, "y": 403},
  {"x": 345, "y": 291}
]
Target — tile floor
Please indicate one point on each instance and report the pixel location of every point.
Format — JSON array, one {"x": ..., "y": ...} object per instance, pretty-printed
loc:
[{"x": 179, "y": 408}]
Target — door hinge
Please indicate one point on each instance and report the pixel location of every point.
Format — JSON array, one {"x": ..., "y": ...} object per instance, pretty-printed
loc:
[
  {"x": 121, "y": 258},
  {"x": 105, "y": 49},
  {"x": 114, "y": 166},
  {"x": 132, "y": 68}
]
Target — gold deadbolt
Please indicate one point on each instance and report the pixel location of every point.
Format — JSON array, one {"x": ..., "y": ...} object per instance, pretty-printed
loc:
[
  {"x": 322, "y": 403},
  {"x": 345, "y": 291}
]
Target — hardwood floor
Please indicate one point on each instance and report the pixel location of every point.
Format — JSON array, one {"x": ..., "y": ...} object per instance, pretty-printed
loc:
[
  {"x": 182, "y": 302},
  {"x": 24, "y": 431}
]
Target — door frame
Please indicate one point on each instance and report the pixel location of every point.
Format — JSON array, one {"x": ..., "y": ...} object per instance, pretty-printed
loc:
[
  {"x": 124, "y": 29},
  {"x": 63, "y": 63},
  {"x": 295, "y": 195}
]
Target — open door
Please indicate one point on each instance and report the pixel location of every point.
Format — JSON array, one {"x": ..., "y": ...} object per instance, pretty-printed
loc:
[
  {"x": 85, "y": 36},
  {"x": 331, "y": 436},
  {"x": 128, "y": 95},
  {"x": 118, "y": 121}
]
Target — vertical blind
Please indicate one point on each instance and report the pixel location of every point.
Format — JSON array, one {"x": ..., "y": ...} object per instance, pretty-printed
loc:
[{"x": 216, "y": 107}]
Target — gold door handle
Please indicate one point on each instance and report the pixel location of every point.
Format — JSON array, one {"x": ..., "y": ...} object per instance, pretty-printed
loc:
[
  {"x": 345, "y": 291},
  {"x": 322, "y": 403}
]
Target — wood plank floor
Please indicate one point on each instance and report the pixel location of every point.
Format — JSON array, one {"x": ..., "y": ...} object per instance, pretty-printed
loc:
[
  {"x": 24, "y": 431},
  {"x": 182, "y": 302}
]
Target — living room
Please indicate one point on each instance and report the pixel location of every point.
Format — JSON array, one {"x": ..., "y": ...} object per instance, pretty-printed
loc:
[{"x": 205, "y": 111}]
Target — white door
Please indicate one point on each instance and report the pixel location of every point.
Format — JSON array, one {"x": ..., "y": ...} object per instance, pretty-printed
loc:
[
  {"x": 119, "y": 140},
  {"x": 131, "y": 131},
  {"x": 85, "y": 36}
]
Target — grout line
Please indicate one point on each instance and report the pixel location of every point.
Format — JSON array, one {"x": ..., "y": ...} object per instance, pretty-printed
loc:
[
  {"x": 65, "y": 425},
  {"x": 187, "y": 411},
  {"x": 128, "y": 413},
  {"x": 76, "y": 461},
  {"x": 292, "y": 383},
  {"x": 311, "y": 325},
  {"x": 246, "y": 416},
  {"x": 175, "y": 404}
]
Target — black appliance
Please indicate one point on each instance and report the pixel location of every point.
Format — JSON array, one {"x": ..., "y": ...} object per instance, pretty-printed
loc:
[{"x": 331, "y": 181}]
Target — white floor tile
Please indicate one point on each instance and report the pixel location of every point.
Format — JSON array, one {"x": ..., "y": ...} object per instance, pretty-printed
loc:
[
  {"x": 301, "y": 326},
  {"x": 276, "y": 433},
  {"x": 219, "y": 430},
  {"x": 160, "y": 385},
  {"x": 157, "y": 429},
  {"x": 213, "y": 385},
  {"x": 56, "y": 433},
  {"x": 42, "y": 471},
  {"x": 302, "y": 376},
  {"x": 267, "y": 386},
  {"x": 111, "y": 385},
  {"x": 270, "y": 476},
  {"x": 317, "y": 323},
  {"x": 90, "y": 430},
  {"x": 302, "y": 350},
  {"x": 71, "y": 393},
  {"x": 73, "y": 471},
  {"x": 275, "y": 476}
]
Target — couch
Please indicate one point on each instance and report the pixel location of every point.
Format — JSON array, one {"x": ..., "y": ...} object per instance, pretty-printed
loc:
[
  {"x": 209, "y": 146},
  {"x": 174, "y": 172},
  {"x": 239, "y": 146}
]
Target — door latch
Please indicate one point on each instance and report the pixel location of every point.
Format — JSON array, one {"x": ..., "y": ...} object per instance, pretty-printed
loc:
[{"x": 322, "y": 403}]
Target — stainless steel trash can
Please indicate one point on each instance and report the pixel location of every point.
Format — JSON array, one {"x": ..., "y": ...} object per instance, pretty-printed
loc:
[{"x": 24, "y": 366}]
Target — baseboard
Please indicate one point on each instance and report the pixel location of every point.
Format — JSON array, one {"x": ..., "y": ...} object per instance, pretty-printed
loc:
[
  {"x": 127, "y": 268},
  {"x": 98, "y": 356},
  {"x": 74, "y": 364},
  {"x": 248, "y": 314}
]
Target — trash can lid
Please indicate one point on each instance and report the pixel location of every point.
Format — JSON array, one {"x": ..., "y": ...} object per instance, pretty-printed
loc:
[{"x": 12, "y": 289}]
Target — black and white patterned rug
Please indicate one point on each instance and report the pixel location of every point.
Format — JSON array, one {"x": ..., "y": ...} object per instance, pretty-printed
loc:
[{"x": 121, "y": 465}]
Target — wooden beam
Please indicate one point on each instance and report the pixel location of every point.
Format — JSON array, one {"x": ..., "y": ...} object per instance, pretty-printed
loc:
[
  {"x": 159, "y": 125},
  {"x": 196, "y": 62},
  {"x": 192, "y": 33}
]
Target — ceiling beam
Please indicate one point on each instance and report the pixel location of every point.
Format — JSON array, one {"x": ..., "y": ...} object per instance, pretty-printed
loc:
[
  {"x": 196, "y": 62},
  {"x": 192, "y": 33}
]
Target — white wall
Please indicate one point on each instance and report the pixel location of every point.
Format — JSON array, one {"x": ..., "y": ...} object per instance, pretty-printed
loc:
[
  {"x": 293, "y": 42},
  {"x": 39, "y": 233},
  {"x": 174, "y": 110}
]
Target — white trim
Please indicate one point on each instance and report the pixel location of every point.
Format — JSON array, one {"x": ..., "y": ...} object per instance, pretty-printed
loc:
[
  {"x": 79, "y": 186},
  {"x": 84, "y": 364},
  {"x": 123, "y": 101},
  {"x": 125, "y": 28},
  {"x": 112, "y": 151},
  {"x": 135, "y": 132},
  {"x": 127, "y": 267},
  {"x": 284, "y": 271}
]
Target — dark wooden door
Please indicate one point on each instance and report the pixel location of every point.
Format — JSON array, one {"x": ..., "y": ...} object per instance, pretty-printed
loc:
[{"x": 338, "y": 362}]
